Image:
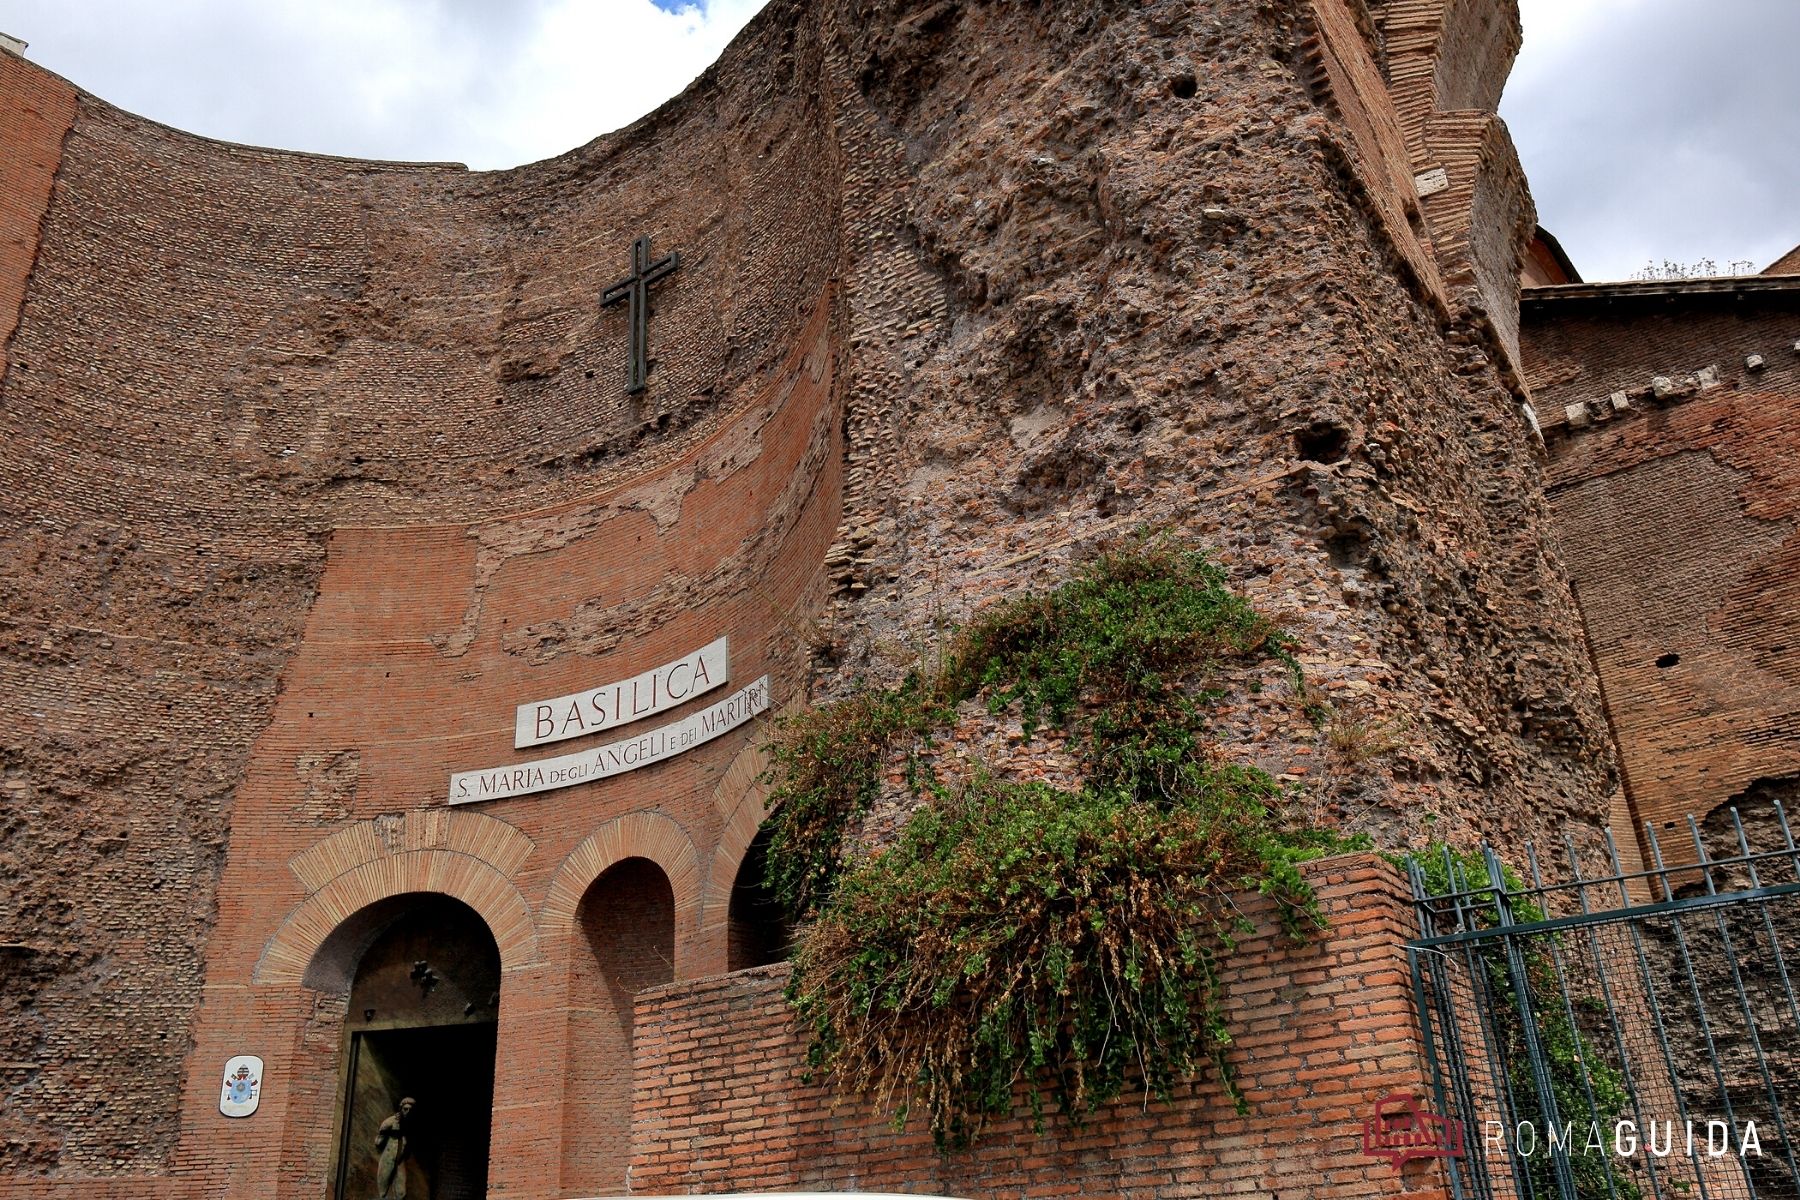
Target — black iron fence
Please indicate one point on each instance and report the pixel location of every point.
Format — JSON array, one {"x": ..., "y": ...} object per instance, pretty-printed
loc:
[{"x": 1604, "y": 1033}]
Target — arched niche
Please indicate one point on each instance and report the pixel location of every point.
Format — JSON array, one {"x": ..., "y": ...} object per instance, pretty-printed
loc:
[
  {"x": 624, "y": 941},
  {"x": 333, "y": 914}
]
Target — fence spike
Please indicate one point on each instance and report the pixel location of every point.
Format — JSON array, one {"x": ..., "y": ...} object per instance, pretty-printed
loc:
[
  {"x": 1662, "y": 872},
  {"x": 1575, "y": 870},
  {"x": 1700, "y": 850},
  {"x": 1744, "y": 847}
]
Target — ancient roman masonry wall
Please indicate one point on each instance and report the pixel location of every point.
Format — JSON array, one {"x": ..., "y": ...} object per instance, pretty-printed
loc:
[
  {"x": 1325, "y": 1033},
  {"x": 317, "y": 468},
  {"x": 33, "y": 122},
  {"x": 1446, "y": 63},
  {"x": 1177, "y": 293},
  {"x": 1671, "y": 416}
]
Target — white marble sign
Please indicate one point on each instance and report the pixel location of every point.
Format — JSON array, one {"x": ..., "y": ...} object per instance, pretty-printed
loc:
[
  {"x": 243, "y": 1086},
  {"x": 615, "y": 704},
  {"x": 616, "y": 758}
]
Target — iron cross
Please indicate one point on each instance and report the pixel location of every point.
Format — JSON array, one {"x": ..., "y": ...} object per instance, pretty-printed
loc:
[{"x": 636, "y": 288}]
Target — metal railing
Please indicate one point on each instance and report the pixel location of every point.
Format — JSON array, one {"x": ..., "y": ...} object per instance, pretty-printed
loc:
[{"x": 1615, "y": 1034}]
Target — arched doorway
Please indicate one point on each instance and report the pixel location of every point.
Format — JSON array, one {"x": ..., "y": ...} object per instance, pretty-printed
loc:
[
  {"x": 624, "y": 942},
  {"x": 420, "y": 1025}
]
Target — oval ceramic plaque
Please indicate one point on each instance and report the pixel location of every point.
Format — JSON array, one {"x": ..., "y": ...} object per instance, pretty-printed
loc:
[{"x": 243, "y": 1086}]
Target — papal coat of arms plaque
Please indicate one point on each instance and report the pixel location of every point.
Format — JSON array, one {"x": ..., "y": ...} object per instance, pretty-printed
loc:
[{"x": 243, "y": 1086}]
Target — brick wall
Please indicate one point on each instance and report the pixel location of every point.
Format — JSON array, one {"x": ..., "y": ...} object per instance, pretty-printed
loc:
[
  {"x": 1446, "y": 63},
  {"x": 1348, "y": 76},
  {"x": 628, "y": 922},
  {"x": 1324, "y": 1031},
  {"x": 34, "y": 119},
  {"x": 1679, "y": 514},
  {"x": 287, "y": 433},
  {"x": 1787, "y": 264}
]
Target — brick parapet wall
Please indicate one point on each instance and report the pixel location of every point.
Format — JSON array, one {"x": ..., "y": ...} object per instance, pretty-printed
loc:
[{"x": 1323, "y": 1032}]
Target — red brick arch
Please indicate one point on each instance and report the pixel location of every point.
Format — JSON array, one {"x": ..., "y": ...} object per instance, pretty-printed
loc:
[
  {"x": 741, "y": 799},
  {"x": 452, "y": 873},
  {"x": 648, "y": 835},
  {"x": 502, "y": 846}
]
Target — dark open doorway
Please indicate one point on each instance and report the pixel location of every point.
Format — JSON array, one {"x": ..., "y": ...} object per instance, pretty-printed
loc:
[
  {"x": 448, "y": 1071},
  {"x": 421, "y": 1027},
  {"x": 759, "y": 932}
]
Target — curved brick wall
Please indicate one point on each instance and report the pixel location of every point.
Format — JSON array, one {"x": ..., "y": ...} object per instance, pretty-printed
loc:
[
  {"x": 318, "y": 467},
  {"x": 265, "y": 407}
]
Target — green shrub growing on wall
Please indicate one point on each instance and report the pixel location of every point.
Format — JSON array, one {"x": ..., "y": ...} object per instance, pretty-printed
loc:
[{"x": 1067, "y": 941}]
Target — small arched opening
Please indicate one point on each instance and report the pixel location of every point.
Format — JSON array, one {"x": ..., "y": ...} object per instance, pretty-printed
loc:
[
  {"x": 758, "y": 931},
  {"x": 624, "y": 943},
  {"x": 416, "y": 1063}
]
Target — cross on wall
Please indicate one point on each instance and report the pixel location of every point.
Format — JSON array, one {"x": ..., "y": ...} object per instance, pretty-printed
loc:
[{"x": 635, "y": 288}]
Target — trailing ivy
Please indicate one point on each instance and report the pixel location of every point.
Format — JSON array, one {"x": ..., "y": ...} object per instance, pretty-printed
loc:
[
  {"x": 1136, "y": 638},
  {"x": 1064, "y": 941},
  {"x": 826, "y": 768}
]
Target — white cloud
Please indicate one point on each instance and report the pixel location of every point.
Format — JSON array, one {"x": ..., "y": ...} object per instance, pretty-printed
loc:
[
  {"x": 600, "y": 65},
  {"x": 492, "y": 85},
  {"x": 1660, "y": 129}
]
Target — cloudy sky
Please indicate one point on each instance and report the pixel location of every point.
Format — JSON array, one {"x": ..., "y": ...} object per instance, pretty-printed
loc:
[
  {"x": 1652, "y": 130},
  {"x": 1660, "y": 130}
]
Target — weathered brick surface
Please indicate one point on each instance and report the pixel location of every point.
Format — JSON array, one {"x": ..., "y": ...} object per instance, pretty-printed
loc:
[
  {"x": 1446, "y": 64},
  {"x": 34, "y": 118},
  {"x": 318, "y": 467},
  {"x": 355, "y": 451},
  {"x": 1680, "y": 519},
  {"x": 1160, "y": 302},
  {"x": 1344, "y": 54},
  {"x": 1324, "y": 1032}
]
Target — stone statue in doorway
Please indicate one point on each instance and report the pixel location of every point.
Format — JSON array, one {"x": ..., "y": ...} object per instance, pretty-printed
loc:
[{"x": 391, "y": 1152}]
